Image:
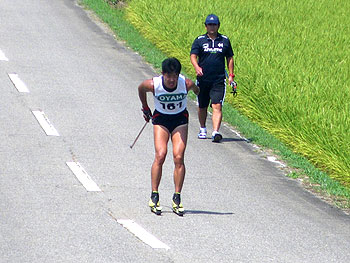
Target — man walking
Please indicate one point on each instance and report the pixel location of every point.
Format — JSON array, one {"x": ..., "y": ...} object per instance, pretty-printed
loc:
[{"x": 208, "y": 55}]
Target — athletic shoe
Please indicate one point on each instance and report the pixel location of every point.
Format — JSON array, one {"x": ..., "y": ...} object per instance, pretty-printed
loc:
[
  {"x": 154, "y": 203},
  {"x": 216, "y": 137},
  {"x": 202, "y": 133},
  {"x": 177, "y": 205}
]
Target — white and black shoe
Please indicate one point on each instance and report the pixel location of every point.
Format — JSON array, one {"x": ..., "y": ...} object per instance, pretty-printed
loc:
[
  {"x": 202, "y": 133},
  {"x": 216, "y": 137}
]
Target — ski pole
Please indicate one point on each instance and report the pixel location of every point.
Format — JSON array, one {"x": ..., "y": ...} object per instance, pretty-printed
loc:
[
  {"x": 233, "y": 85},
  {"x": 137, "y": 137}
]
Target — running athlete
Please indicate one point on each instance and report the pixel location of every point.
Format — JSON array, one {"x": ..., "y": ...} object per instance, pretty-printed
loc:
[
  {"x": 170, "y": 120},
  {"x": 208, "y": 55}
]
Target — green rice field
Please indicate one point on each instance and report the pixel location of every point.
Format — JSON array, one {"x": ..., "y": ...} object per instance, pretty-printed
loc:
[{"x": 292, "y": 66}]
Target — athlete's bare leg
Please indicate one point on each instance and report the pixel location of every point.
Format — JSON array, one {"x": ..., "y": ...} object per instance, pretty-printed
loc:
[
  {"x": 179, "y": 140},
  {"x": 161, "y": 138}
]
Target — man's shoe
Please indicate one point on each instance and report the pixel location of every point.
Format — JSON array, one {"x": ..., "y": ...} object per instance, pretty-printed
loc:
[
  {"x": 202, "y": 133},
  {"x": 216, "y": 137}
]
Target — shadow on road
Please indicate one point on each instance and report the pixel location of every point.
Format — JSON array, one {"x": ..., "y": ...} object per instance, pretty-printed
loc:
[
  {"x": 201, "y": 212},
  {"x": 230, "y": 140},
  {"x": 198, "y": 212},
  {"x": 234, "y": 140}
]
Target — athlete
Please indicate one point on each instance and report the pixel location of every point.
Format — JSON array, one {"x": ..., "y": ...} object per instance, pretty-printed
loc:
[
  {"x": 170, "y": 121},
  {"x": 208, "y": 55}
]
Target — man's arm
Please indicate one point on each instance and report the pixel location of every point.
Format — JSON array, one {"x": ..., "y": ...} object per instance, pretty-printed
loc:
[
  {"x": 194, "y": 62},
  {"x": 191, "y": 86},
  {"x": 230, "y": 66}
]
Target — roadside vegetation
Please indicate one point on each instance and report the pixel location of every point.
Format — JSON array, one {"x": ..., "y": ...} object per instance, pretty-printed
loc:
[{"x": 292, "y": 68}]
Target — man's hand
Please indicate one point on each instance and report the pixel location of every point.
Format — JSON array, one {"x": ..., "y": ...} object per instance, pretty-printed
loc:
[
  {"x": 199, "y": 71},
  {"x": 234, "y": 87},
  {"x": 197, "y": 68},
  {"x": 147, "y": 114}
]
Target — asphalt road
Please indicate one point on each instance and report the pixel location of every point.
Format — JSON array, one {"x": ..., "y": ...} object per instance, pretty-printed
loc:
[{"x": 80, "y": 194}]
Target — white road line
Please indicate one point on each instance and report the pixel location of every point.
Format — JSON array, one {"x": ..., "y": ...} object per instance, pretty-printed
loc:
[
  {"x": 45, "y": 123},
  {"x": 273, "y": 159},
  {"x": 142, "y": 234},
  {"x": 83, "y": 177},
  {"x": 18, "y": 83},
  {"x": 3, "y": 57}
]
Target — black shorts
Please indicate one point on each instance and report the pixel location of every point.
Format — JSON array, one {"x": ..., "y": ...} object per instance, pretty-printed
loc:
[
  {"x": 170, "y": 121},
  {"x": 211, "y": 92}
]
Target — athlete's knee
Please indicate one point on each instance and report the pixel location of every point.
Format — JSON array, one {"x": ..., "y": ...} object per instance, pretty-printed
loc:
[
  {"x": 160, "y": 157},
  {"x": 179, "y": 159}
]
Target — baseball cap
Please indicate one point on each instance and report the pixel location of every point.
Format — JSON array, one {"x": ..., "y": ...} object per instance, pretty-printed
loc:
[{"x": 212, "y": 19}]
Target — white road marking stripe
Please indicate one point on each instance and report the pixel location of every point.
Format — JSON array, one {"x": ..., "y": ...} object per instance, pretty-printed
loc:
[
  {"x": 142, "y": 234},
  {"x": 235, "y": 132},
  {"x": 83, "y": 177},
  {"x": 274, "y": 160},
  {"x": 18, "y": 83},
  {"x": 45, "y": 123},
  {"x": 3, "y": 57}
]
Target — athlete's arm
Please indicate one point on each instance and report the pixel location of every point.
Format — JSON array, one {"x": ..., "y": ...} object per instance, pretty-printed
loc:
[
  {"x": 191, "y": 86},
  {"x": 144, "y": 87}
]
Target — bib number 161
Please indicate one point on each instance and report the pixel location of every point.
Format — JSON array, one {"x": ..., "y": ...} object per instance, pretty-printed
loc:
[{"x": 171, "y": 106}]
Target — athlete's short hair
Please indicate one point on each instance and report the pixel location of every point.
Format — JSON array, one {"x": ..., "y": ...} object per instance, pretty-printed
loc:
[{"x": 171, "y": 65}]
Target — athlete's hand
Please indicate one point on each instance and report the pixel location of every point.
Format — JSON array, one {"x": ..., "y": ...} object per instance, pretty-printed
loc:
[{"x": 147, "y": 114}]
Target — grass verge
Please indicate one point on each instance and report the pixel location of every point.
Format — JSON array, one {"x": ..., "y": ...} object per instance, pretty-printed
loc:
[
  {"x": 312, "y": 178},
  {"x": 291, "y": 64}
]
